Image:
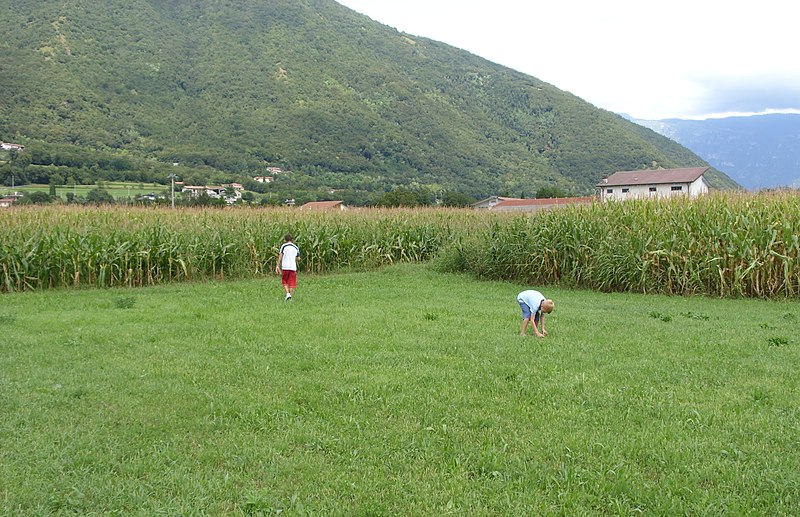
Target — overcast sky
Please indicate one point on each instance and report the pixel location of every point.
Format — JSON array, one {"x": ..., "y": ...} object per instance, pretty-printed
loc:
[{"x": 683, "y": 58}]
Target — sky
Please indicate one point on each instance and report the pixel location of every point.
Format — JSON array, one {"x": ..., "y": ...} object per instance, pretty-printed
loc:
[{"x": 690, "y": 59}]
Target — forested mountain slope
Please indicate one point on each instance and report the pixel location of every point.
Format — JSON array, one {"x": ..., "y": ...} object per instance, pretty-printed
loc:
[{"x": 126, "y": 88}]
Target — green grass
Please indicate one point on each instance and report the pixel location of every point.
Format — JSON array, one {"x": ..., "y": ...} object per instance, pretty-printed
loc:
[
  {"x": 118, "y": 189},
  {"x": 396, "y": 392}
]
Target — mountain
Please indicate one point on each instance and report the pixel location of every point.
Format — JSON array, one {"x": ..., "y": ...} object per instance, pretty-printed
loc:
[
  {"x": 125, "y": 89},
  {"x": 759, "y": 151}
]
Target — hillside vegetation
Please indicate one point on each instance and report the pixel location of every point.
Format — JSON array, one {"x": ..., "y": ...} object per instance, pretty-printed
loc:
[{"x": 122, "y": 90}]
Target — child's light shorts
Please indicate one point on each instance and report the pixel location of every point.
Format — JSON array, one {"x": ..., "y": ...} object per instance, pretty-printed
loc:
[{"x": 526, "y": 311}]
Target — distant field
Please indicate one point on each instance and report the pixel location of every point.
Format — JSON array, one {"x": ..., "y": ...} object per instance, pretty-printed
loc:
[
  {"x": 118, "y": 189},
  {"x": 395, "y": 392}
]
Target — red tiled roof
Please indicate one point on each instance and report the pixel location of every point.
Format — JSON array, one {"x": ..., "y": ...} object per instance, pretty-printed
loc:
[
  {"x": 653, "y": 177},
  {"x": 542, "y": 202},
  {"x": 321, "y": 205}
]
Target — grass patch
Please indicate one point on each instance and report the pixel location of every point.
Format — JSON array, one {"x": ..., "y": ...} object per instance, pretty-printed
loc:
[
  {"x": 124, "y": 302},
  {"x": 399, "y": 391},
  {"x": 117, "y": 189}
]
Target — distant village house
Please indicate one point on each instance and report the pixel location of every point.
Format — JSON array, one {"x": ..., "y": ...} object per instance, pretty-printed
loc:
[
  {"x": 662, "y": 183},
  {"x": 216, "y": 192},
  {"x": 5, "y": 146},
  {"x": 6, "y": 202},
  {"x": 264, "y": 179}
]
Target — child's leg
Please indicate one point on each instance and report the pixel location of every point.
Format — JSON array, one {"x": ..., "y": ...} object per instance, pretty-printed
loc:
[
  {"x": 285, "y": 283},
  {"x": 289, "y": 283},
  {"x": 526, "y": 316}
]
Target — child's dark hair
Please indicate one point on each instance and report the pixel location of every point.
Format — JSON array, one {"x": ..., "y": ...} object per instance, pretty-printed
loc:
[{"x": 287, "y": 237}]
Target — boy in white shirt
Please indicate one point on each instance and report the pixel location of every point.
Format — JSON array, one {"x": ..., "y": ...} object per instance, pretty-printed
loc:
[
  {"x": 287, "y": 265},
  {"x": 534, "y": 306}
]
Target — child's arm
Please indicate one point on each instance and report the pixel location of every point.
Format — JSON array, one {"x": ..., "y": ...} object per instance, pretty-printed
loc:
[
  {"x": 536, "y": 326},
  {"x": 278, "y": 264},
  {"x": 543, "y": 333}
]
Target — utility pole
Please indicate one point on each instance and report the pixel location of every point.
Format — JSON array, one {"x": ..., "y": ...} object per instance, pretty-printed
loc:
[{"x": 172, "y": 189}]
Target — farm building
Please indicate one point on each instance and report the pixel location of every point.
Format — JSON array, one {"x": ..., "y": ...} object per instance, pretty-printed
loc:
[
  {"x": 533, "y": 205},
  {"x": 489, "y": 202},
  {"x": 662, "y": 183},
  {"x": 324, "y": 205},
  {"x": 6, "y": 202}
]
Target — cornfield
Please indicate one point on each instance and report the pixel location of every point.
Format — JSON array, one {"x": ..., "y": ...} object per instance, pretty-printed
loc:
[
  {"x": 108, "y": 247},
  {"x": 723, "y": 245}
]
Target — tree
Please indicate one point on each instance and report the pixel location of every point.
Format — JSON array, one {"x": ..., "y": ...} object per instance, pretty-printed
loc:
[
  {"x": 99, "y": 196},
  {"x": 229, "y": 192},
  {"x": 404, "y": 196},
  {"x": 550, "y": 191},
  {"x": 35, "y": 198},
  {"x": 202, "y": 200},
  {"x": 457, "y": 199}
]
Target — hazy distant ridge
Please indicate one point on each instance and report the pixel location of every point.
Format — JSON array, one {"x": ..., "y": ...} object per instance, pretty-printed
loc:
[{"x": 760, "y": 151}]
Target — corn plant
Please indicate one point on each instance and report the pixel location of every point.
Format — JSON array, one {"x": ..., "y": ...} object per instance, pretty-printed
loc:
[
  {"x": 721, "y": 245},
  {"x": 69, "y": 246}
]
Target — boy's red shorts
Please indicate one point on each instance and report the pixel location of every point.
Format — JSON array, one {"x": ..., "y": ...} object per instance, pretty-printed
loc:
[{"x": 289, "y": 277}]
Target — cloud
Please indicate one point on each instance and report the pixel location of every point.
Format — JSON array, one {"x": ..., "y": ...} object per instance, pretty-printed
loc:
[
  {"x": 750, "y": 95},
  {"x": 682, "y": 59}
]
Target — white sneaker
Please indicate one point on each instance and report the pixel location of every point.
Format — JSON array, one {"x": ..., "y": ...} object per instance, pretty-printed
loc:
[{"x": 288, "y": 297}]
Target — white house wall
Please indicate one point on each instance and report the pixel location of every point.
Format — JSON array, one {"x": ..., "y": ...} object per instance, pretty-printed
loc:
[
  {"x": 698, "y": 188},
  {"x": 618, "y": 192},
  {"x": 623, "y": 192}
]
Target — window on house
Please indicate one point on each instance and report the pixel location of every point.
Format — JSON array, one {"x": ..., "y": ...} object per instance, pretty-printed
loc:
[
  {"x": 625, "y": 190},
  {"x": 652, "y": 189},
  {"x": 677, "y": 188},
  {"x": 609, "y": 191}
]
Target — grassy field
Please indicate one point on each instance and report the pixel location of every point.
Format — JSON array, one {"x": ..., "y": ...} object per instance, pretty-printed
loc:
[
  {"x": 118, "y": 189},
  {"x": 396, "y": 392}
]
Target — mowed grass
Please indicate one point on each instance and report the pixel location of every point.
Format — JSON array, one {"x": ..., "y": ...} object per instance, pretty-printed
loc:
[
  {"x": 118, "y": 189},
  {"x": 396, "y": 392}
]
